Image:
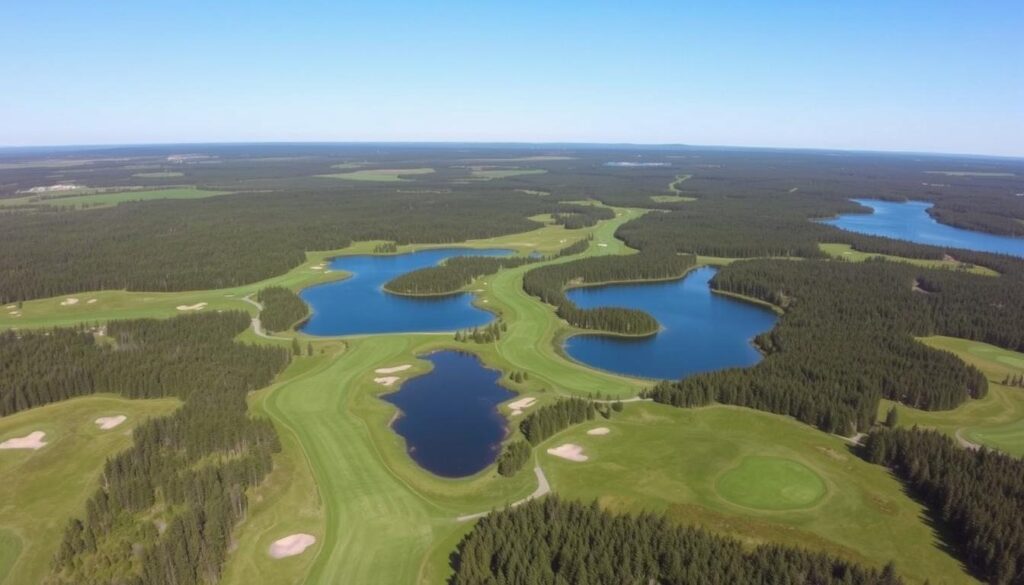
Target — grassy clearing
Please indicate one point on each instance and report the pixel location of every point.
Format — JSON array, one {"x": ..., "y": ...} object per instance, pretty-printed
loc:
[
  {"x": 671, "y": 198},
  {"x": 996, "y": 421},
  {"x": 969, "y": 174},
  {"x": 682, "y": 462},
  {"x": 95, "y": 200},
  {"x": 379, "y": 175},
  {"x": 43, "y": 489},
  {"x": 159, "y": 175},
  {"x": 680, "y": 179},
  {"x": 847, "y": 253},
  {"x": 489, "y": 174}
]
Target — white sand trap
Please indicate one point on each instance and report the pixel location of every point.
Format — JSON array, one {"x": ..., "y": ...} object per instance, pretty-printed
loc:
[
  {"x": 316, "y": 267},
  {"x": 569, "y": 451},
  {"x": 11, "y": 307},
  {"x": 69, "y": 301},
  {"x": 108, "y": 422},
  {"x": 386, "y": 380},
  {"x": 400, "y": 368},
  {"x": 195, "y": 307},
  {"x": 599, "y": 431},
  {"x": 91, "y": 301},
  {"x": 33, "y": 440},
  {"x": 518, "y": 406},
  {"x": 292, "y": 545},
  {"x": 602, "y": 245}
]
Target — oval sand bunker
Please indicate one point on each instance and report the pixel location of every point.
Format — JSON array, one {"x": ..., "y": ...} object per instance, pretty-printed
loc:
[
  {"x": 108, "y": 422},
  {"x": 393, "y": 370},
  {"x": 33, "y": 440},
  {"x": 291, "y": 545},
  {"x": 599, "y": 431},
  {"x": 569, "y": 451}
]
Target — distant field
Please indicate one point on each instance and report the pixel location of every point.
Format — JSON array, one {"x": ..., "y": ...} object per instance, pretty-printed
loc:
[
  {"x": 379, "y": 175},
  {"x": 969, "y": 174},
  {"x": 42, "y": 489},
  {"x": 671, "y": 198},
  {"x": 489, "y": 174},
  {"x": 159, "y": 175},
  {"x": 846, "y": 252},
  {"x": 996, "y": 421},
  {"x": 109, "y": 199}
]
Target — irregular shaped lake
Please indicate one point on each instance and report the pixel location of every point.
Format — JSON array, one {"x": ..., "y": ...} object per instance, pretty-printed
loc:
[
  {"x": 449, "y": 418},
  {"x": 701, "y": 331},
  {"x": 359, "y": 304},
  {"x": 910, "y": 221}
]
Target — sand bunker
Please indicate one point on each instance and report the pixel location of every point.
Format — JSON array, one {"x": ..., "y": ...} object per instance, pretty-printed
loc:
[
  {"x": 108, "y": 422},
  {"x": 91, "y": 301},
  {"x": 292, "y": 545},
  {"x": 195, "y": 307},
  {"x": 32, "y": 441},
  {"x": 316, "y": 268},
  {"x": 69, "y": 301},
  {"x": 599, "y": 431},
  {"x": 386, "y": 380},
  {"x": 518, "y": 406},
  {"x": 400, "y": 368},
  {"x": 602, "y": 245},
  {"x": 569, "y": 451}
]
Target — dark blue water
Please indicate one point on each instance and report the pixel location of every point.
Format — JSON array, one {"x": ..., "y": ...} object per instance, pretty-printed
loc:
[
  {"x": 910, "y": 221},
  {"x": 701, "y": 331},
  {"x": 450, "y": 419},
  {"x": 359, "y": 304}
]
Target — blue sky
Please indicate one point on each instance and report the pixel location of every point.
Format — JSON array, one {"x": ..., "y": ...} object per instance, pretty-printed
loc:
[{"x": 935, "y": 76}]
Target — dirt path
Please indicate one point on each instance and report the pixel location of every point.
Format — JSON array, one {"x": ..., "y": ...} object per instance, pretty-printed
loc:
[
  {"x": 854, "y": 440},
  {"x": 543, "y": 488},
  {"x": 257, "y": 327}
]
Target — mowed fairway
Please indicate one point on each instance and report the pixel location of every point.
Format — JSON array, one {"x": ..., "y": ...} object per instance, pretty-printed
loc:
[
  {"x": 847, "y": 253},
  {"x": 736, "y": 471},
  {"x": 997, "y": 420},
  {"x": 108, "y": 199},
  {"x": 379, "y": 175},
  {"x": 43, "y": 489}
]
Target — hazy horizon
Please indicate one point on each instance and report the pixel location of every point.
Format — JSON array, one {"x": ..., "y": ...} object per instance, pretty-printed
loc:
[{"x": 914, "y": 77}]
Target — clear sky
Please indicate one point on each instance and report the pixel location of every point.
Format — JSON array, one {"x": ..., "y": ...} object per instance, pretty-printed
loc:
[{"x": 935, "y": 75}]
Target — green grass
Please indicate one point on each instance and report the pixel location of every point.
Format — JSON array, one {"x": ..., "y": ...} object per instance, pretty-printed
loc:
[
  {"x": 997, "y": 420},
  {"x": 41, "y": 490},
  {"x": 771, "y": 483},
  {"x": 684, "y": 463},
  {"x": 847, "y": 253},
  {"x": 489, "y": 174},
  {"x": 109, "y": 199},
  {"x": 379, "y": 175},
  {"x": 159, "y": 175},
  {"x": 671, "y": 198}
]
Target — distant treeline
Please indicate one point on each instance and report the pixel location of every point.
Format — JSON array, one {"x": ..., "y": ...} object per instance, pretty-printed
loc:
[
  {"x": 555, "y": 541},
  {"x": 576, "y": 217},
  {"x": 190, "y": 470},
  {"x": 548, "y": 283},
  {"x": 282, "y": 308},
  {"x": 847, "y": 339},
  {"x": 979, "y": 496}
]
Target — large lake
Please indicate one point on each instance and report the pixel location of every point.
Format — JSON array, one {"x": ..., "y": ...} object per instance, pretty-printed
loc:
[
  {"x": 910, "y": 221},
  {"x": 701, "y": 331},
  {"x": 359, "y": 304},
  {"x": 449, "y": 418}
]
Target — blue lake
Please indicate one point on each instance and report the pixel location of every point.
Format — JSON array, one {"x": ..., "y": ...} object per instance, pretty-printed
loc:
[
  {"x": 910, "y": 221},
  {"x": 701, "y": 331},
  {"x": 359, "y": 304},
  {"x": 450, "y": 419}
]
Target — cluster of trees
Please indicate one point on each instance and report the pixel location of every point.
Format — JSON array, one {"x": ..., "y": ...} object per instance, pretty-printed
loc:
[
  {"x": 513, "y": 457},
  {"x": 519, "y": 376},
  {"x": 451, "y": 276},
  {"x": 1015, "y": 381},
  {"x": 847, "y": 339},
  {"x": 548, "y": 283},
  {"x": 978, "y": 494},
  {"x": 555, "y": 541},
  {"x": 574, "y": 217},
  {"x": 487, "y": 334},
  {"x": 190, "y": 469},
  {"x": 386, "y": 248},
  {"x": 282, "y": 308},
  {"x": 552, "y": 418}
]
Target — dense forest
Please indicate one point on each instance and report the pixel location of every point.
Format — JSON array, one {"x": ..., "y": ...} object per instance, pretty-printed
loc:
[
  {"x": 568, "y": 543},
  {"x": 552, "y": 418},
  {"x": 513, "y": 457},
  {"x": 575, "y": 217},
  {"x": 846, "y": 339},
  {"x": 548, "y": 283},
  {"x": 282, "y": 308},
  {"x": 978, "y": 495},
  {"x": 189, "y": 470}
]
